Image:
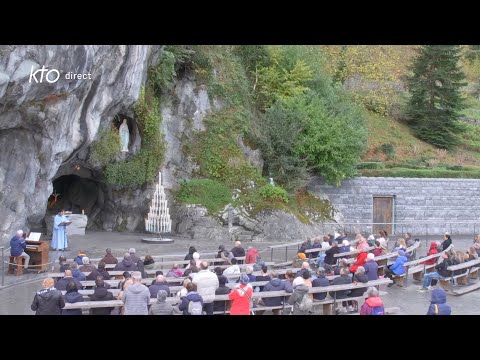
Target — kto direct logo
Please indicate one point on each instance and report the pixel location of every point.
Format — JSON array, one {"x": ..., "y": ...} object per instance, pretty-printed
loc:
[{"x": 51, "y": 76}]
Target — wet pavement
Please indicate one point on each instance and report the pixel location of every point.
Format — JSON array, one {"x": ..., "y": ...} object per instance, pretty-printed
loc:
[{"x": 17, "y": 294}]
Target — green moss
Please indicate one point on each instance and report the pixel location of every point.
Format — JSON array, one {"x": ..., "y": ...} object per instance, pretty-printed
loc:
[
  {"x": 122, "y": 227},
  {"x": 107, "y": 147},
  {"x": 218, "y": 154},
  {"x": 209, "y": 193}
]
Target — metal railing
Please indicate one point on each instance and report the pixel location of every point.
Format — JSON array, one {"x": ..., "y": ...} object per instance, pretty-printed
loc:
[{"x": 425, "y": 227}]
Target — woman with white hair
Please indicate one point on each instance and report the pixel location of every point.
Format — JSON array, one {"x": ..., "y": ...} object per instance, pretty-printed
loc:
[
  {"x": 300, "y": 290},
  {"x": 373, "y": 304},
  {"x": 371, "y": 267},
  {"x": 161, "y": 307},
  {"x": 87, "y": 266}
]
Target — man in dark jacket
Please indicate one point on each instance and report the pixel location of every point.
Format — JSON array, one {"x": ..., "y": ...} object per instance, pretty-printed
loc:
[
  {"x": 48, "y": 301},
  {"x": 72, "y": 296},
  {"x": 68, "y": 278},
  {"x": 109, "y": 258},
  {"x": 329, "y": 258},
  {"x": 307, "y": 245},
  {"x": 441, "y": 272},
  {"x": 321, "y": 280},
  {"x": 159, "y": 284},
  {"x": 358, "y": 278},
  {"x": 276, "y": 285},
  {"x": 100, "y": 293},
  {"x": 103, "y": 273},
  {"x": 447, "y": 241},
  {"x": 221, "y": 290},
  {"x": 18, "y": 246},
  {"x": 189, "y": 256},
  {"x": 238, "y": 251},
  {"x": 343, "y": 279},
  {"x": 126, "y": 264},
  {"x": 76, "y": 273},
  {"x": 438, "y": 304}
]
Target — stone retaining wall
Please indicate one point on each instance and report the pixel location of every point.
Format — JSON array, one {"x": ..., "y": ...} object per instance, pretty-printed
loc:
[{"x": 443, "y": 203}]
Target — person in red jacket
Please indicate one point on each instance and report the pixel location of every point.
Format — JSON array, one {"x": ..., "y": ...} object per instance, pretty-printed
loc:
[
  {"x": 374, "y": 304},
  {"x": 251, "y": 257},
  {"x": 241, "y": 297},
  {"x": 361, "y": 259},
  {"x": 433, "y": 250}
]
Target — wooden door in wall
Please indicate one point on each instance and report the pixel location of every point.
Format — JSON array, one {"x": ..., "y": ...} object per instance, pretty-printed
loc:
[{"x": 382, "y": 214}]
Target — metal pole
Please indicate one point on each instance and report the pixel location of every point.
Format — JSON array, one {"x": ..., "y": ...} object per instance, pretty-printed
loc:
[
  {"x": 426, "y": 237},
  {"x": 286, "y": 253},
  {"x": 3, "y": 268}
]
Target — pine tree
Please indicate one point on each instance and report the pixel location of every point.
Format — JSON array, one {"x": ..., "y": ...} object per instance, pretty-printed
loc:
[{"x": 435, "y": 103}]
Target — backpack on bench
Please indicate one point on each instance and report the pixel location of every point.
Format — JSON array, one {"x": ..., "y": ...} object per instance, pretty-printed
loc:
[
  {"x": 306, "y": 304},
  {"x": 195, "y": 308}
]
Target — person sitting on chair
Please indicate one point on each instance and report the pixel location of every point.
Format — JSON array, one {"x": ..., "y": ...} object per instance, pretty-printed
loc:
[{"x": 18, "y": 246}]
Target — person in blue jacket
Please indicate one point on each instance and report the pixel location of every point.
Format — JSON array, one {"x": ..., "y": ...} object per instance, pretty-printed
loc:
[
  {"x": 438, "y": 303},
  {"x": 18, "y": 246},
  {"x": 397, "y": 268}
]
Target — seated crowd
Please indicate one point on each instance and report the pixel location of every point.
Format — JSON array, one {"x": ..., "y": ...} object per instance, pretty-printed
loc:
[{"x": 201, "y": 285}]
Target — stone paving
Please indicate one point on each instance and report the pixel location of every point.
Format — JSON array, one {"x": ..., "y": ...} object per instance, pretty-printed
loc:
[{"x": 18, "y": 292}]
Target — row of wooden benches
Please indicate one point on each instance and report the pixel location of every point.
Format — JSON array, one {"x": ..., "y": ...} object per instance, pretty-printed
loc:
[
  {"x": 327, "y": 303},
  {"x": 153, "y": 271}
]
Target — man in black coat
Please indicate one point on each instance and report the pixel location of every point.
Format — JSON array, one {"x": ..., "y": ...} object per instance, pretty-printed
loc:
[
  {"x": 101, "y": 293},
  {"x": 48, "y": 301},
  {"x": 238, "y": 251}
]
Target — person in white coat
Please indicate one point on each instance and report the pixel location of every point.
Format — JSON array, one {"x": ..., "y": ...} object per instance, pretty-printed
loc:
[{"x": 207, "y": 283}]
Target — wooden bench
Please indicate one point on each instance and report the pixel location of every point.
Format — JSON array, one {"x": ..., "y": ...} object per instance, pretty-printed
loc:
[
  {"x": 327, "y": 304},
  {"x": 466, "y": 289},
  {"x": 462, "y": 279},
  {"x": 156, "y": 257},
  {"x": 18, "y": 269},
  {"x": 151, "y": 271},
  {"x": 418, "y": 269},
  {"x": 474, "y": 272}
]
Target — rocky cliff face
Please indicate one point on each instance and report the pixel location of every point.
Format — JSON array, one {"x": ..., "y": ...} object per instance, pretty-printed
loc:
[
  {"x": 48, "y": 124},
  {"x": 46, "y": 130}
]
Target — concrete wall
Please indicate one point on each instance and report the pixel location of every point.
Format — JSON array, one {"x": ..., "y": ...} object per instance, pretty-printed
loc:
[{"x": 443, "y": 203}]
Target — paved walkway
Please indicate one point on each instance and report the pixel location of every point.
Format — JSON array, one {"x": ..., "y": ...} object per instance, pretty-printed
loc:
[{"x": 18, "y": 292}]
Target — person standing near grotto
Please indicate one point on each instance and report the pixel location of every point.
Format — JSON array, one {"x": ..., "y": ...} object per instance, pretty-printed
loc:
[{"x": 59, "y": 239}]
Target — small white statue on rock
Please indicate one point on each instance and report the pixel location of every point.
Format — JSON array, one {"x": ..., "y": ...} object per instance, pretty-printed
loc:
[{"x": 124, "y": 135}]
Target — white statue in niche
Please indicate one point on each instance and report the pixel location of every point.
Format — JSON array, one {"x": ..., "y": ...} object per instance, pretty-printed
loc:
[{"x": 124, "y": 135}]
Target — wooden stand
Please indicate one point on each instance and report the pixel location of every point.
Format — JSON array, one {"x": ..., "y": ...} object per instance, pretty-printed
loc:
[{"x": 38, "y": 251}]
